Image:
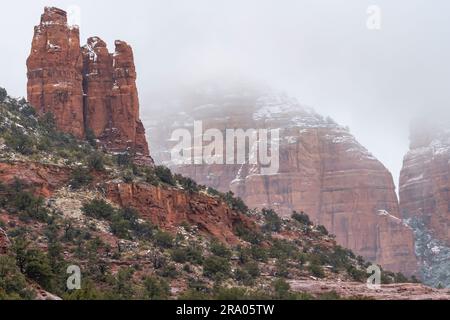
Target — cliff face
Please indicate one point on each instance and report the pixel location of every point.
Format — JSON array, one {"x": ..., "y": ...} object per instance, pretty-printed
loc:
[
  {"x": 168, "y": 209},
  {"x": 165, "y": 208},
  {"x": 87, "y": 89},
  {"x": 323, "y": 171},
  {"x": 55, "y": 72},
  {"x": 425, "y": 197},
  {"x": 97, "y": 76}
]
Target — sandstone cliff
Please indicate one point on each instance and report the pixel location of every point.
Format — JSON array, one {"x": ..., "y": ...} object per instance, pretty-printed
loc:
[
  {"x": 55, "y": 72},
  {"x": 87, "y": 89},
  {"x": 424, "y": 196},
  {"x": 324, "y": 172},
  {"x": 168, "y": 209}
]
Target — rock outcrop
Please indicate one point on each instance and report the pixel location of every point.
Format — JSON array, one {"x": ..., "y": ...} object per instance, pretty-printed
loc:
[
  {"x": 425, "y": 196},
  {"x": 165, "y": 208},
  {"x": 88, "y": 90},
  {"x": 351, "y": 290},
  {"x": 323, "y": 171},
  {"x": 55, "y": 72},
  {"x": 98, "y": 81},
  {"x": 41, "y": 179},
  {"x": 169, "y": 209}
]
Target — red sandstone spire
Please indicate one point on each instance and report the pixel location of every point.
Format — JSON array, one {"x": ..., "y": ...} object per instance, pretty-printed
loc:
[
  {"x": 55, "y": 72},
  {"x": 60, "y": 74}
]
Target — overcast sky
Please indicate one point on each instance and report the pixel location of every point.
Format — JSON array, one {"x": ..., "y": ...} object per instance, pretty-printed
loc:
[{"x": 319, "y": 51}]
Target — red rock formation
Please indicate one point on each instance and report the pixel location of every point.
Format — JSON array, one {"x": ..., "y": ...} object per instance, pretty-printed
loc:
[
  {"x": 425, "y": 196},
  {"x": 168, "y": 209},
  {"x": 324, "y": 172},
  {"x": 127, "y": 130},
  {"x": 60, "y": 73},
  {"x": 42, "y": 179},
  {"x": 424, "y": 180},
  {"x": 55, "y": 72},
  {"x": 98, "y": 82}
]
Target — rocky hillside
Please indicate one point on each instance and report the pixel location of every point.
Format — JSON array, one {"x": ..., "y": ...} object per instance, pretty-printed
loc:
[
  {"x": 323, "y": 171},
  {"x": 424, "y": 197},
  {"x": 141, "y": 232}
]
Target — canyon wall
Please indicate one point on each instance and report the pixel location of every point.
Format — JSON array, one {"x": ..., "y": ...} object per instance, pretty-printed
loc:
[
  {"x": 323, "y": 171},
  {"x": 88, "y": 90},
  {"x": 425, "y": 196}
]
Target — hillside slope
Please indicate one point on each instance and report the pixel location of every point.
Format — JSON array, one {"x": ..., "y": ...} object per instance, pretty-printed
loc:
[{"x": 140, "y": 232}]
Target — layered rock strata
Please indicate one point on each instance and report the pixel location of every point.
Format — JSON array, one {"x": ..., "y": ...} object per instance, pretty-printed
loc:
[
  {"x": 425, "y": 196},
  {"x": 88, "y": 90},
  {"x": 323, "y": 171}
]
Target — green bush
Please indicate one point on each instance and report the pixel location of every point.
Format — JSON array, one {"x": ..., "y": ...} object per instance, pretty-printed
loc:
[
  {"x": 322, "y": 230},
  {"x": 123, "y": 284},
  {"x": 125, "y": 220},
  {"x": 120, "y": 227},
  {"x": 24, "y": 203},
  {"x": 357, "y": 275},
  {"x": 98, "y": 209},
  {"x": 216, "y": 267},
  {"x": 213, "y": 192},
  {"x": 88, "y": 292},
  {"x": 248, "y": 273},
  {"x": 128, "y": 176},
  {"x": 281, "y": 289},
  {"x": 179, "y": 255},
  {"x": 164, "y": 239},
  {"x": 13, "y": 283},
  {"x": 282, "y": 249},
  {"x": 156, "y": 288},
  {"x": 187, "y": 184},
  {"x": 168, "y": 271},
  {"x": 189, "y": 254},
  {"x": 165, "y": 175},
  {"x": 273, "y": 221},
  {"x": 258, "y": 253},
  {"x": 48, "y": 123},
  {"x": 302, "y": 218},
  {"x": 19, "y": 141},
  {"x": 253, "y": 269},
  {"x": 33, "y": 263},
  {"x": 91, "y": 138},
  {"x": 220, "y": 250},
  {"x": 38, "y": 268},
  {"x": 195, "y": 255},
  {"x": 3, "y": 94},
  {"x": 144, "y": 230},
  {"x": 234, "y": 203},
  {"x": 243, "y": 276},
  {"x": 316, "y": 270},
  {"x": 282, "y": 268},
  {"x": 80, "y": 177},
  {"x": 247, "y": 234},
  {"x": 96, "y": 162},
  {"x": 124, "y": 159}
]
